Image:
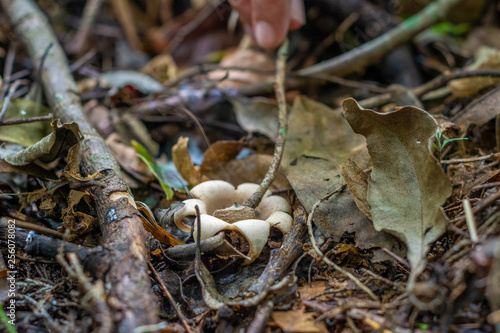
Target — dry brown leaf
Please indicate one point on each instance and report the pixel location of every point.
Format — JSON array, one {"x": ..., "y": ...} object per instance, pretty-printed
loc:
[
  {"x": 486, "y": 58},
  {"x": 481, "y": 110},
  {"x": 407, "y": 185},
  {"x": 184, "y": 164},
  {"x": 298, "y": 321},
  {"x": 357, "y": 182},
  {"x": 318, "y": 141},
  {"x": 217, "y": 156},
  {"x": 76, "y": 221}
]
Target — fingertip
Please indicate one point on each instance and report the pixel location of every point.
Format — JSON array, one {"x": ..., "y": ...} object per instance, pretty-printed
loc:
[{"x": 266, "y": 36}]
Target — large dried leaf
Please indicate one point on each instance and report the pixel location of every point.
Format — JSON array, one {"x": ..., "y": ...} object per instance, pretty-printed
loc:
[
  {"x": 318, "y": 141},
  {"x": 52, "y": 146},
  {"x": 407, "y": 185}
]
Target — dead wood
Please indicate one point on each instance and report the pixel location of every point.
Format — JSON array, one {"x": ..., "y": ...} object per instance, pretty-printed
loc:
[{"x": 130, "y": 298}]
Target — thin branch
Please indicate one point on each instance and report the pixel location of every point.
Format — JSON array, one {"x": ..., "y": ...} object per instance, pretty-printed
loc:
[
  {"x": 11, "y": 91},
  {"x": 48, "y": 117},
  {"x": 471, "y": 159},
  {"x": 371, "y": 52},
  {"x": 255, "y": 199},
  {"x": 170, "y": 298}
]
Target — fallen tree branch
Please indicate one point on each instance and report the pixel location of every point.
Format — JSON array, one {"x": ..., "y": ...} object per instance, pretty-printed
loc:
[
  {"x": 129, "y": 295},
  {"x": 371, "y": 52}
]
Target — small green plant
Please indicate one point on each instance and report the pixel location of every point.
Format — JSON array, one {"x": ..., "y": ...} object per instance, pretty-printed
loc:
[
  {"x": 440, "y": 143},
  {"x": 3, "y": 318}
]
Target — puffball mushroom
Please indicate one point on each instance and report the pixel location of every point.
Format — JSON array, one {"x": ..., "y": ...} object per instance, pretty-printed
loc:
[{"x": 220, "y": 210}]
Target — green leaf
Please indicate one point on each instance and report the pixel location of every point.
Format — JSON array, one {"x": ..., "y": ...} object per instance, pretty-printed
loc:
[
  {"x": 24, "y": 134},
  {"x": 154, "y": 167},
  {"x": 5, "y": 320}
]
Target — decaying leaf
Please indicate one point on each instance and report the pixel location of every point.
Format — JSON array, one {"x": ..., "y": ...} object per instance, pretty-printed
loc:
[
  {"x": 184, "y": 164},
  {"x": 407, "y": 185},
  {"x": 24, "y": 134},
  {"x": 256, "y": 114},
  {"x": 75, "y": 220},
  {"x": 481, "y": 110},
  {"x": 318, "y": 141},
  {"x": 52, "y": 146},
  {"x": 217, "y": 156},
  {"x": 298, "y": 321},
  {"x": 486, "y": 58},
  {"x": 357, "y": 182}
]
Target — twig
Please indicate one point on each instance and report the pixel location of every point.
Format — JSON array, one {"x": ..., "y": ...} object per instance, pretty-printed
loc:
[
  {"x": 48, "y": 117},
  {"x": 261, "y": 318},
  {"x": 89, "y": 15},
  {"x": 187, "y": 29},
  {"x": 485, "y": 186},
  {"x": 471, "y": 159},
  {"x": 128, "y": 284},
  {"x": 42, "y": 230},
  {"x": 471, "y": 223},
  {"x": 7, "y": 71},
  {"x": 125, "y": 16},
  {"x": 449, "y": 76},
  {"x": 93, "y": 292},
  {"x": 398, "y": 258},
  {"x": 255, "y": 199},
  {"x": 321, "y": 256},
  {"x": 83, "y": 60},
  {"x": 170, "y": 298},
  {"x": 371, "y": 52},
  {"x": 479, "y": 207},
  {"x": 11, "y": 91}
]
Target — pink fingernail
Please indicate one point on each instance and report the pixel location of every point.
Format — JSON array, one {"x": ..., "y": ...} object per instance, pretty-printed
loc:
[
  {"x": 297, "y": 11},
  {"x": 265, "y": 34}
]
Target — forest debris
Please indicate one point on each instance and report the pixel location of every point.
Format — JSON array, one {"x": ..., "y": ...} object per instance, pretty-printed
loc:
[
  {"x": 481, "y": 110},
  {"x": 121, "y": 227},
  {"x": 298, "y": 321},
  {"x": 357, "y": 183},
  {"x": 319, "y": 140},
  {"x": 407, "y": 185},
  {"x": 371, "y": 52},
  {"x": 47, "y": 149},
  {"x": 25, "y": 134},
  {"x": 257, "y": 114},
  {"x": 486, "y": 58},
  {"x": 184, "y": 164}
]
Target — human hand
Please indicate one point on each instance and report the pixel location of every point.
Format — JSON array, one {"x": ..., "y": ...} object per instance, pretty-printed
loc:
[{"x": 268, "y": 21}]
